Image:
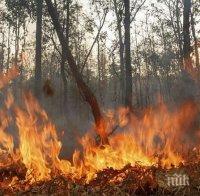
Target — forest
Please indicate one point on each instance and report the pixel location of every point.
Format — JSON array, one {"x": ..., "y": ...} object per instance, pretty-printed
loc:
[{"x": 84, "y": 80}]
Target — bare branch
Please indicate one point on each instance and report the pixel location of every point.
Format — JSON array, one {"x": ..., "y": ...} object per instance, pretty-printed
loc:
[
  {"x": 137, "y": 10},
  {"x": 95, "y": 40}
]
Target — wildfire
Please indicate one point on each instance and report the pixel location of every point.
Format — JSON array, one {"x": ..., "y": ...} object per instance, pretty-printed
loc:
[{"x": 159, "y": 136}]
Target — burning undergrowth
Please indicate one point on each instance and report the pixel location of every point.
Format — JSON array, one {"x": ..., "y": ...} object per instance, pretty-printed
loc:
[{"x": 141, "y": 149}]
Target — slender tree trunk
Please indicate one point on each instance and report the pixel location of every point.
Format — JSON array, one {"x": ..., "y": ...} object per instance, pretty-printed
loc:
[
  {"x": 8, "y": 51},
  {"x": 163, "y": 37},
  {"x": 64, "y": 79},
  {"x": 186, "y": 35},
  {"x": 2, "y": 52},
  {"x": 83, "y": 88},
  {"x": 128, "y": 93},
  {"x": 64, "y": 59},
  {"x": 98, "y": 65},
  {"x": 38, "y": 56},
  {"x": 147, "y": 85},
  {"x": 17, "y": 31},
  {"x": 195, "y": 42},
  {"x": 179, "y": 34},
  {"x": 175, "y": 28},
  {"x": 140, "y": 73},
  {"x": 16, "y": 42},
  {"x": 121, "y": 52}
]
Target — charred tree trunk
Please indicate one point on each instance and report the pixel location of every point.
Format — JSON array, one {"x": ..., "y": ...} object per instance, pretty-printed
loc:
[
  {"x": 186, "y": 35},
  {"x": 85, "y": 91},
  {"x": 38, "y": 55},
  {"x": 128, "y": 71}
]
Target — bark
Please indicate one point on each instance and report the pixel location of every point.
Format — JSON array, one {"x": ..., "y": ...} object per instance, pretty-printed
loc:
[
  {"x": 128, "y": 71},
  {"x": 186, "y": 35},
  {"x": 85, "y": 91},
  {"x": 38, "y": 56}
]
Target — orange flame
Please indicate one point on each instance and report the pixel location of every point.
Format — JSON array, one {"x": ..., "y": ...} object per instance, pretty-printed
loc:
[{"x": 158, "y": 137}]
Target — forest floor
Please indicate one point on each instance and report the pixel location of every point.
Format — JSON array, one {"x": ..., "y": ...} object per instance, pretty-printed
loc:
[{"x": 137, "y": 180}]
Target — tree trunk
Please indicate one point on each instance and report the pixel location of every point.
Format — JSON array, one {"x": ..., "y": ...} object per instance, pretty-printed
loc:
[
  {"x": 38, "y": 55},
  {"x": 179, "y": 33},
  {"x": 64, "y": 79},
  {"x": 99, "y": 69},
  {"x": 2, "y": 52},
  {"x": 63, "y": 57},
  {"x": 128, "y": 93},
  {"x": 83, "y": 88},
  {"x": 186, "y": 36},
  {"x": 121, "y": 52},
  {"x": 16, "y": 42},
  {"x": 195, "y": 42},
  {"x": 8, "y": 50}
]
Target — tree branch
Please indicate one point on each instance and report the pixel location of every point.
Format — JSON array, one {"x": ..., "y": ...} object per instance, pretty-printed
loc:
[
  {"x": 95, "y": 40},
  {"x": 137, "y": 10}
]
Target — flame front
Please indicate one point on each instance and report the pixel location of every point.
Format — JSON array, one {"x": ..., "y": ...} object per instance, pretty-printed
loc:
[{"x": 157, "y": 137}]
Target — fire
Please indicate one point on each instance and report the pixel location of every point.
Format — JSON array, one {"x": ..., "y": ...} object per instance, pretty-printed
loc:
[
  {"x": 6, "y": 142},
  {"x": 158, "y": 136},
  {"x": 39, "y": 144},
  {"x": 11, "y": 74}
]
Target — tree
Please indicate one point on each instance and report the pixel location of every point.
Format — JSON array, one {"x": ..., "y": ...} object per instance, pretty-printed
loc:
[
  {"x": 118, "y": 8},
  {"x": 186, "y": 35},
  {"x": 128, "y": 69},
  {"x": 195, "y": 40},
  {"x": 38, "y": 55},
  {"x": 85, "y": 91},
  {"x": 66, "y": 5}
]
